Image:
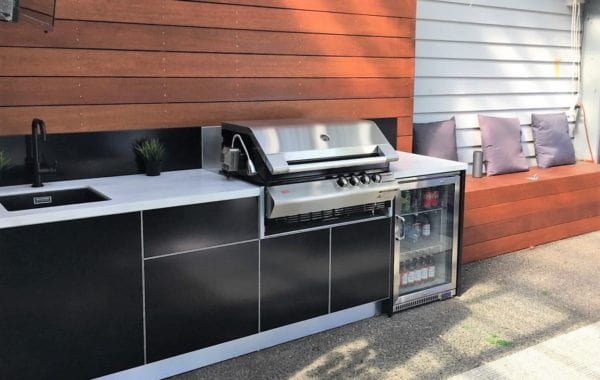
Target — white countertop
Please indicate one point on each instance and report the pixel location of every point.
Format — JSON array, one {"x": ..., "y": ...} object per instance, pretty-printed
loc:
[
  {"x": 414, "y": 165},
  {"x": 130, "y": 193},
  {"x": 177, "y": 188}
]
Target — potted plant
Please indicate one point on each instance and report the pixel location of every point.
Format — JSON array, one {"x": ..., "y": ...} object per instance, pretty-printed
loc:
[
  {"x": 5, "y": 163},
  {"x": 152, "y": 152}
]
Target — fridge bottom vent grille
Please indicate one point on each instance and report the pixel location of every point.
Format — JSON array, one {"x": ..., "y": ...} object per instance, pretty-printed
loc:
[{"x": 408, "y": 305}]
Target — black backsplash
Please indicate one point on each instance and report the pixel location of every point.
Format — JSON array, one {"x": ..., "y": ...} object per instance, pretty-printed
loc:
[
  {"x": 99, "y": 154},
  {"x": 106, "y": 154}
]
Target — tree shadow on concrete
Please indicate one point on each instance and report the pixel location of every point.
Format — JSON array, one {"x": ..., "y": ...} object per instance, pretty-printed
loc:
[{"x": 524, "y": 298}]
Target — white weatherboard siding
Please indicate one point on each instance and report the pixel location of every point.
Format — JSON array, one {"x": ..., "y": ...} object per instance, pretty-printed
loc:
[{"x": 507, "y": 58}]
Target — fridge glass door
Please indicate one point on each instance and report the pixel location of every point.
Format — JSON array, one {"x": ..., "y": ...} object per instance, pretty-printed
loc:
[{"x": 426, "y": 235}]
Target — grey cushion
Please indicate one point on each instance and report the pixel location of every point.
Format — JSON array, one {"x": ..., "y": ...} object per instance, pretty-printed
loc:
[
  {"x": 501, "y": 143},
  {"x": 437, "y": 139},
  {"x": 551, "y": 138}
]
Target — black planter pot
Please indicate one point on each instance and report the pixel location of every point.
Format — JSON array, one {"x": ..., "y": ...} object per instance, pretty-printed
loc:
[{"x": 153, "y": 168}]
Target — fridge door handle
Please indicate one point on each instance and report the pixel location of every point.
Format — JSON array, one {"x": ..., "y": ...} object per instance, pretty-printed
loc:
[{"x": 399, "y": 220}]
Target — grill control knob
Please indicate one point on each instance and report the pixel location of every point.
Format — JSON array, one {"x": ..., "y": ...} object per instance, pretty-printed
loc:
[
  {"x": 354, "y": 180},
  {"x": 365, "y": 179},
  {"x": 376, "y": 178},
  {"x": 342, "y": 182}
]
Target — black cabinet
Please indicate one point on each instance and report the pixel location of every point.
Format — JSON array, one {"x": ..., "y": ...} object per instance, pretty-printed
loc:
[
  {"x": 188, "y": 228},
  {"x": 294, "y": 274},
  {"x": 360, "y": 263},
  {"x": 198, "y": 299},
  {"x": 71, "y": 298}
]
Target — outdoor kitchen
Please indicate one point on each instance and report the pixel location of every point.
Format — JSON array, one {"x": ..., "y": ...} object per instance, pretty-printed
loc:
[{"x": 205, "y": 185}]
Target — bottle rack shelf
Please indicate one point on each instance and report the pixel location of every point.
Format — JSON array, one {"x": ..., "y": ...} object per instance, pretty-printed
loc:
[
  {"x": 418, "y": 212},
  {"x": 431, "y": 250}
]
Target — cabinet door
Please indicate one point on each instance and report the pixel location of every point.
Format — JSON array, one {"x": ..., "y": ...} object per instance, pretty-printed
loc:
[
  {"x": 71, "y": 296},
  {"x": 360, "y": 263},
  {"x": 294, "y": 275},
  {"x": 189, "y": 228},
  {"x": 202, "y": 298}
]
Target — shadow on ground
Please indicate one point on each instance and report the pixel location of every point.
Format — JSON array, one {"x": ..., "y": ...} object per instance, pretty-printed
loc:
[{"x": 509, "y": 303}]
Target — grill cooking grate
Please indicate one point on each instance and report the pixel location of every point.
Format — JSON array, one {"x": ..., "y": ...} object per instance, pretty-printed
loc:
[{"x": 371, "y": 208}]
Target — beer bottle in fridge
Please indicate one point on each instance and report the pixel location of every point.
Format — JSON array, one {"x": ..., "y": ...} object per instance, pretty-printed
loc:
[
  {"x": 410, "y": 273},
  {"x": 424, "y": 270},
  {"x": 417, "y": 269},
  {"x": 431, "y": 267},
  {"x": 403, "y": 275}
]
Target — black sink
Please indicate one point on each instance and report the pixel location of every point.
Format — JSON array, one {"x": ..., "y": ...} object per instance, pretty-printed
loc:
[{"x": 51, "y": 199}]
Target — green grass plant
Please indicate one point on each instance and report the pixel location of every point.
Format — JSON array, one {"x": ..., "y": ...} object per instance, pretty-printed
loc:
[{"x": 150, "y": 150}]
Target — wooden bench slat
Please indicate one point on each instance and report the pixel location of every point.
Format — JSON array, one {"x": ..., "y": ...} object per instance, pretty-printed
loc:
[
  {"x": 486, "y": 191},
  {"x": 530, "y": 190},
  {"x": 528, "y": 239},
  {"x": 581, "y": 167},
  {"x": 519, "y": 224},
  {"x": 521, "y": 208}
]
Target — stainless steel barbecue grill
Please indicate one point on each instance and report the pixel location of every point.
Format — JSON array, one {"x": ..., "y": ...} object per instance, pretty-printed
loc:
[{"x": 315, "y": 172}]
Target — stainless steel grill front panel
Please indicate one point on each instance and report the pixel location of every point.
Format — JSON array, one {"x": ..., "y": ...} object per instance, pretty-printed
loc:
[{"x": 305, "y": 197}]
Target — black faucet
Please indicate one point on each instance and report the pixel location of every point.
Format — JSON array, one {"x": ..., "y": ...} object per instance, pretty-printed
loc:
[{"x": 37, "y": 170}]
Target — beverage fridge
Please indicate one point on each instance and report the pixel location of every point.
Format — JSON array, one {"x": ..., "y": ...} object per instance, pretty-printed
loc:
[{"x": 427, "y": 224}]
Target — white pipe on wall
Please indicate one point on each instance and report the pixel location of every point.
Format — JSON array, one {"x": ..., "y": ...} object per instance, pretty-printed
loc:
[{"x": 590, "y": 83}]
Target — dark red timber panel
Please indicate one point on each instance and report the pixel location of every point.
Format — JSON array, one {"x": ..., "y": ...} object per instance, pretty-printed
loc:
[{"x": 122, "y": 64}]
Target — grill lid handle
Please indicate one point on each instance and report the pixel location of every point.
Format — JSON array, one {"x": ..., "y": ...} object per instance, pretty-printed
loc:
[
  {"x": 298, "y": 168},
  {"x": 278, "y": 164}
]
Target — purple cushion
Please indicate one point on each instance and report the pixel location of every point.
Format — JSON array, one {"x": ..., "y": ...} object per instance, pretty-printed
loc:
[
  {"x": 551, "y": 138},
  {"x": 501, "y": 144},
  {"x": 437, "y": 139}
]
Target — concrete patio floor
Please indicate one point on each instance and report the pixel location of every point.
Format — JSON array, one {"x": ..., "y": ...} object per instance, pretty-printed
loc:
[{"x": 509, "y": 303}]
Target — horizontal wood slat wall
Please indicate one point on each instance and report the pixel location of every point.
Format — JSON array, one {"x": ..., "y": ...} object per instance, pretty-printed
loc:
[
  {"x": 74, "y": 91},
  {"x": 173, "y": 115},
  {"x": 18, "y": 62},
  {"x": 205, "y": 14},
  {"x": 122, "y": 64},
  {"x": 93, "y": 35},
  {"x": 397, "y": 8}
]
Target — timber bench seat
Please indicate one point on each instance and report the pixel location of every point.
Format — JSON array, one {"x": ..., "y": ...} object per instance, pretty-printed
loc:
[{"x": 509, "y": 212}]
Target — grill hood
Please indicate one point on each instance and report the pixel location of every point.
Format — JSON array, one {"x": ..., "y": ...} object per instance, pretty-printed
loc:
[{"x": 302, "y": 145}]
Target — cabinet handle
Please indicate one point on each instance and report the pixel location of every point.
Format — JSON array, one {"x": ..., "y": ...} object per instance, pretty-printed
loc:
[{"x": 401, "y": 219}]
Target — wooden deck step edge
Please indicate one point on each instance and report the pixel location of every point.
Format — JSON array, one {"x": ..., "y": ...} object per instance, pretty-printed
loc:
[{"x": 528, "y": 239}]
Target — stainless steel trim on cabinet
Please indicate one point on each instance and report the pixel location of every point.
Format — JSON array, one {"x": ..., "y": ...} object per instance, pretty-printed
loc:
[
  {"x": 259, "y": 330},
  {"x": 211, "y": 148},
  {"x": 261, "y": 212},
  {"x": 455, "y": 232},
  {"x": 324, "y": 227},
  {"x": 329, "y": 302},
  {"x": 198, "y": 249},
  {"x": 143, "y": 286},
  {"x": 418, "y": 183}
]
